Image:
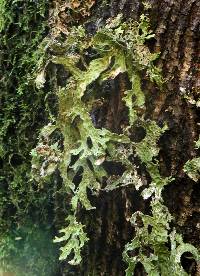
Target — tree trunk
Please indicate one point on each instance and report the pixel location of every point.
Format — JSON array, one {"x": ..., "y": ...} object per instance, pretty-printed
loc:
[{"x": 176, "y": 28}]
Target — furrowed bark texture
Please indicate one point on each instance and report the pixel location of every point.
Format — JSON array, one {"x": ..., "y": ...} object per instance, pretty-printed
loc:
[{"x": 176, "y": 27}]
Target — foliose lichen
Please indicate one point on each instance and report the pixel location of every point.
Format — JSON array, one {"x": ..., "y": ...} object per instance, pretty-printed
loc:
[{"x": 119, "y": 48}]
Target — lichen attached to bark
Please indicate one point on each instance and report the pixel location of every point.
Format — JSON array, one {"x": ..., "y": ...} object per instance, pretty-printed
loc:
[{"x": 119, "y": 48}]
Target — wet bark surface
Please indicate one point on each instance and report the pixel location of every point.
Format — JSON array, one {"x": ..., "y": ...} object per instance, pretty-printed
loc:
[{"x": 176, "y": 27}]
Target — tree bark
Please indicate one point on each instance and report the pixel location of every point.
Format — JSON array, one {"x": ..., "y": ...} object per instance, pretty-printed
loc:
[{"x": 176, "y": 27}]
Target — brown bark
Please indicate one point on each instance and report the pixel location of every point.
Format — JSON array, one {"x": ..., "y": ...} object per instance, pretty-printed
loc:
[{"x": 176, "y": 25}]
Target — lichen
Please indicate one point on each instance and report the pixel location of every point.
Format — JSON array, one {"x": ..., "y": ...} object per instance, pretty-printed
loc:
[
  {"x": 75, "y": 238},
  {"x": 119, "y": 48},
  {"x": 192, "y": 167},
  {"x": 152, "y": 243}
]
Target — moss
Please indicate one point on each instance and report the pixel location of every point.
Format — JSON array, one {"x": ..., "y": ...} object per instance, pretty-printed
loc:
[
  {"x": 23, "y": 27},
  {"x": 28, "y": 250}
]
